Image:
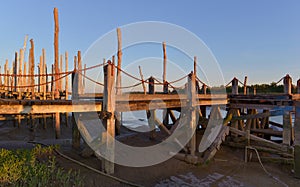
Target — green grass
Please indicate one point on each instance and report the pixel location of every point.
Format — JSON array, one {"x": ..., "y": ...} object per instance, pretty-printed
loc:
[{"x": 36, "y": 167}]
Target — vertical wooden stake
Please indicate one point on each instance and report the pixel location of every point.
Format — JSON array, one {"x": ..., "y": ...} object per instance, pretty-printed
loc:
[
  {"x": 60, "y": 70},
  {"x": 15, "y": 72},
  {"x": 6, "y": 77},
  {"x": 287, "y": 84},
  {"x": 297, "y": 141},
  {"x": 67, "y": 77},
  {"x": 109, "y": 106},
  {"x": 80, "y": 86},
  {"x": 57, "y": 125},
  {"x": 195, "y": 66},
  {"x": 118, "y": 81},
  {"x": 245, "y": 85},
  {"x": 165, "y": 87},
  {"x": 25, "y": 82},
  {"x": 142, "y": 77},
  {"x": 298, "y": 86},
  {"x": 32, "y": 68},
  {"x": 75, "y": 92},
  {"x": 287, "y": 128},
  {"x": 21, "y": 59},
  {"x": 191, "y": 95},
  {"x": 151, "y": 115},
  {"x": 56, "y": 52},
  {"x": 235, "y": 86}
]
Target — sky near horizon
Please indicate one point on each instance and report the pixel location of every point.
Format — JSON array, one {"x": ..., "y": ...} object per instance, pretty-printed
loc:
[{"x": 259, "y": 38}]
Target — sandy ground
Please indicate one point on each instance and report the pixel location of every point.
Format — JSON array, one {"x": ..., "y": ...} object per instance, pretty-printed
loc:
[{"x": 226, "y": 169}]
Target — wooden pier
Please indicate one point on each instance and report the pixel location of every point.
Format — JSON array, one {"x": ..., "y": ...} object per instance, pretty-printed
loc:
[{"x": 30, "y": 95}]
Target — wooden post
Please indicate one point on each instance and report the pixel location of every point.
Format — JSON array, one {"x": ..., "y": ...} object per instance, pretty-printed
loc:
[
  {"x": 75, "y": 93},
  {"x": 56, "y": 52},
  {"x": 20, "y": 79},
  {"x": 195, "y": 66},
  {"x": 67, "y": 77},
  {"x": 119, "y": 80},
  {"x": 109, "y": 107},
  {"x": 203, "y": 107},
  {"x": 245, "y": 85},
  {"x": 6, "y": 78},
  {"x": 165, "y": 86},
  {"x": 191, "y": 95},
  {"x": 287, "y": 84},
  {"x": 142, "y": 77},
  {"x": 298, "y": 86},
  {"x": 52, "y": 82},
  {"x": 60, "y": 70},
  {"x": 151, "y": 113},
  {"x": 15, "y": 71},
  {"x": 44, "y": 71},
  {"x": 39, "y": 75},
  {"x": 80, "y": 86},
  {"x": 287, "y": 128},
  {"x": 57, "y": 125},
  {"x": 297, "y": 140},
  {"x": 31, "y": 68},
  {"x": 235, "y": 87},
  {"x": 25, "y": 82}
]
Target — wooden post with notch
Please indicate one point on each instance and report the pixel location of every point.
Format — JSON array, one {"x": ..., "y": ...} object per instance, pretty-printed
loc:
[
  {"x": 109, "y": 108},
  {"x": 56, "y": 53},
  {"x": 191, "y": 95},
  {"x": 235, "y": 86},
  {"x": 165, "y": 84},
  {"x": 151, "y": 113},
  {"x": 297, "y": 140}
]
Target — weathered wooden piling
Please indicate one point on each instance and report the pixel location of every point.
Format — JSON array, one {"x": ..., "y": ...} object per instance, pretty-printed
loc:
[
  {"x": 75, "y": 97},
  {"x": 56, "y": 52},
  {"x": 151, "y": 113},
  {"x": 235, "y": 86},
  {"x": 287, "y": 84},
  {"x": 165, "y": 84},
  {"x": 109, "y": 108},
  {"x": 297, "y": 140}
]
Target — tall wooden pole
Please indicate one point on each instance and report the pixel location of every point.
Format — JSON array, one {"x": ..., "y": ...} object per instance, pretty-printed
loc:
[
  {"x": 80, "y": 72},
  {"x": 118, "y": 81},
  {"x": 287, "y": 84},
  {"x": 32, "y": 68},
  {"x": 298, "y": 86},
  {"x": 21, "y": 59},
  {"x": 191, "y": 111},
  {"x": 245, "y": 85},
  {"x": 235, "y": 87},
  {"x": 165, "y": 87},
  {"x": 16, "y": 71},
  {"x": 142, "y": 77},
  {"x": 109, "y": 106},
  {"x": 56, "y": 52},
  {"x": 195, "y": 65},
  {"x": 67, "y": 77}
]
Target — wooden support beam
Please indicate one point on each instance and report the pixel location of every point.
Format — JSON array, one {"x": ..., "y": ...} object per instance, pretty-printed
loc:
[
  {"x": 151, "y": 115},
  {"x": 245, "y": 85},
  {"x": 287, "y": 128},
  {"x": 56, "y": 52},
  {"x": 191, "y": 94},
  {"x": 298, "y": 86},
  {"x": 109, "y": 106},
  {"x": 67, "y": 77},
  {"x": 15, "y": 71},
  {"x": 31, "y": 68},
  {"x": 80, "y": 85},
  {"x": 297, "y": 141},
  {"x": 287, "y": 84},
  {"x": 235, "y": 86},
  {"x": 75, "y": 93},
  {"x": 57, "y": 125}
]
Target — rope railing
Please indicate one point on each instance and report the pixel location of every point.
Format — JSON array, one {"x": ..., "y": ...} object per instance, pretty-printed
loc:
[
  {"x": 90, "y": 79},
  {"x": 35, "y": 85}
]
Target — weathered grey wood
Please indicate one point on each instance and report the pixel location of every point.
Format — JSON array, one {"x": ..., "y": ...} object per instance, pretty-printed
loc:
[
  {"x": 79, "y": 61},
  {"x": 191, "y": 94},
  {"x": 287, "y": 128},
  {"x": 56, "y": 52},
  {"x": 109, "y": 106},
  {"x": 151, "y": 115},
  {"x": 118, "y": 122},
  {"x": 75, "y": 92},
  {"x": 31, "y": 68},
  {"x": 142, "y": 78},
  {"x": 235, "y": 86},
  {"x": 297, "y": 141},
  {"x": 287, "y": 84},
  {"x": 245, "y": 85}
]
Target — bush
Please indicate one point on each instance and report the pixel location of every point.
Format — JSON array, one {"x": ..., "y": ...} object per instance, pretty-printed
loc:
[{"x": 36, "y": 167}]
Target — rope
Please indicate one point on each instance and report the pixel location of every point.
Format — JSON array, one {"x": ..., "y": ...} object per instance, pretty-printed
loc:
[
  {"x": 134, "y": 85},
  {"x": 202, "y": 82},
  {"x": 180, "y": 79},
  {"x": 88, "y": 167},
  {"x": 30, "y": 86},
  {"x": 129, "y": 75},
  {"x": 90, "y": 79},
  {"x": 279, "y": 81},
  {"x": 36, "y": 75},
  {"x": 268, "y": 173},
  {"x": 92, "y": 67}
]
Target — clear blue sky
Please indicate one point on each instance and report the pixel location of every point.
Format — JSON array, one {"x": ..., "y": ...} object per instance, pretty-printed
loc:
[{"x": 258, "y": 38}]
